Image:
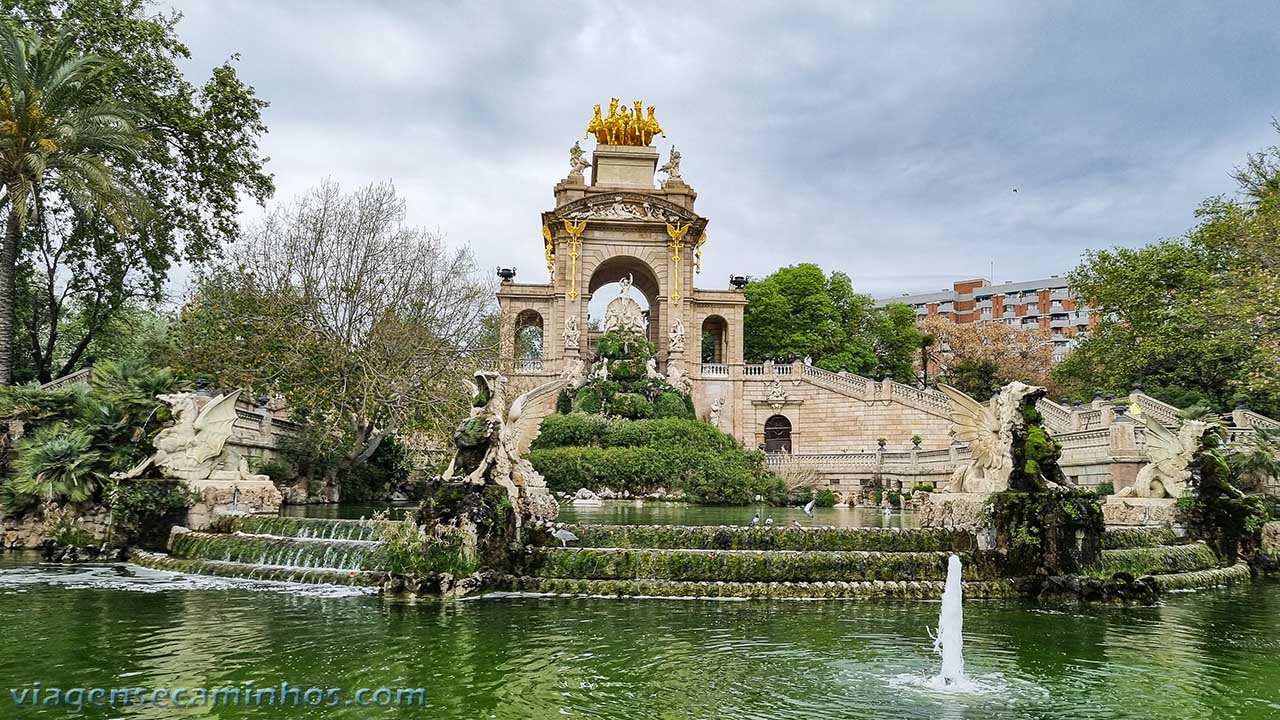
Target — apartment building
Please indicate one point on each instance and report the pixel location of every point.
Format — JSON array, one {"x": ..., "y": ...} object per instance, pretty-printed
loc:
[{"x": 1047, "y": 304}]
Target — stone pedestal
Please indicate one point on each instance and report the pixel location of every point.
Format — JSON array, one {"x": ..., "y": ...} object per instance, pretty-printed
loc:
[
  {"x": 624, "y": 166},
  {"x": 954, "y": 511},
  {"x": 218, "y": 496},
  {"x": 1136, "y": 511}
]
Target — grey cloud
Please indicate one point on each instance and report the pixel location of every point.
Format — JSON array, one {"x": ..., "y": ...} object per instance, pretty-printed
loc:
[{"x": 882, "y": 139}]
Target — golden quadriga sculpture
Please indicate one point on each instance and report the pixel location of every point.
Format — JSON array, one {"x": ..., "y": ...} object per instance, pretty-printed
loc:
[{"x": 623, "y": 126}]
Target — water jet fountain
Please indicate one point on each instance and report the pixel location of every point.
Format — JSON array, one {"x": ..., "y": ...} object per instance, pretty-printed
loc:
[{"x": 949, "y": 641}]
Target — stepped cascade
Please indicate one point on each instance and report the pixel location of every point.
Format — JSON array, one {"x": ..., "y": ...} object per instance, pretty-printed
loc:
[{"x": 688, "y": 561}]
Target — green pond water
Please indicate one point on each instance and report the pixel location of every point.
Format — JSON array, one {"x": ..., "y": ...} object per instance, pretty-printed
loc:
[
  {"x": 628, "y": 512},
  {"x": 1210, "y": 654}
]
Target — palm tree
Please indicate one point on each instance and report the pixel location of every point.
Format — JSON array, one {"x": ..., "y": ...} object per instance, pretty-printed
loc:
[{"x": 56, "y": 136}]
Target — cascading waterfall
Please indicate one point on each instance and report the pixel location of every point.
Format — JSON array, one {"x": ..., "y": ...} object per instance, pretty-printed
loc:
[
  {"x": 949, "y": 641},
  {"x": 286, "y": 549}
]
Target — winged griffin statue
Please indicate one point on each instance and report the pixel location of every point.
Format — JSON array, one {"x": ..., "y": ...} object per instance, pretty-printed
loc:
[
  {"x": 1170, "y": 455},
  {"x": 1007, "y": 444},
  {"x": 492, "y": 444},
  {"x": 193, "y": 447}
]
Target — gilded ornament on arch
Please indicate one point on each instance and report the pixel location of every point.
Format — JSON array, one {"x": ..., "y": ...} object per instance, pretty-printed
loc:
[
  {"x": 677, "y": 237},
  {"x": 624, "y": 126},
  {"x": 550, "y": 251},
  {"x": 575, "y": 238}
]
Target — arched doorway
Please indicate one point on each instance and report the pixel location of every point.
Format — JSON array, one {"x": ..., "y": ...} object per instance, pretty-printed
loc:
[
  {"x": 529, "y": 340},
  {"x": 777, "y": 434},
  {"x": 714, "y": 333},
  {"x": 604, "y": 286}
]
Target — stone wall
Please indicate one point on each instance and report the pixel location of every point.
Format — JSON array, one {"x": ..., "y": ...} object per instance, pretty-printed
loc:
[{"x": 31, "y": 529}]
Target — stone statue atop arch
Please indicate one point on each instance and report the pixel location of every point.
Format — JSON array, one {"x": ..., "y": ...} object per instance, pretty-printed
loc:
[{"x": 623, "y": 312}]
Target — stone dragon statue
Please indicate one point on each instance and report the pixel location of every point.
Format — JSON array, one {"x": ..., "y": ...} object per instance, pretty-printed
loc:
[
  {"x": 1002, "y": 439},
  {"x": 192, "y": 448},
  {"x": 1170, "y": 456},
  {"x": 492, "y": 444}
]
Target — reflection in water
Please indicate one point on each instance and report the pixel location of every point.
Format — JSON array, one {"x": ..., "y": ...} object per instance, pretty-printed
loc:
[{"x": 1198, "y": 655}]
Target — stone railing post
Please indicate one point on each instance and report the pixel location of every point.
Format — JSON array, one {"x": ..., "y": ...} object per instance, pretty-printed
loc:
[{"x": 1124, "y": 455}]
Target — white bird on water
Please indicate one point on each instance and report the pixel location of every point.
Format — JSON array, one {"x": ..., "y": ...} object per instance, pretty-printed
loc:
[
  {"x": 564, "y": 536},
  {"x": 797, "y": 523},
  {"x": 808, "y": 508},
  {"x": 768, "y": 522},
  {"x": 755, "y": 521}
]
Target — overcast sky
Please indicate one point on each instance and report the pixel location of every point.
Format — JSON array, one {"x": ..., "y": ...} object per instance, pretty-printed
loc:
[{"x": 883, "y": 139}]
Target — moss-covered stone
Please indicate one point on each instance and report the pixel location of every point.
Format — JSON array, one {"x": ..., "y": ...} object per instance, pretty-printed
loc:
[
  {"x": 1138, "y": 537},
  {"x": 1056, "y": 532},
  {"x": 829, "y": 590},
  {"x": 751, "y": 565},
  {"x": 1156, "y": 560},
  {"x": 730, "y": 537}
]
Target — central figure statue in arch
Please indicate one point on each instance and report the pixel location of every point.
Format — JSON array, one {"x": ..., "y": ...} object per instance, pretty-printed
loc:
[{"x": 623, "y": 312}]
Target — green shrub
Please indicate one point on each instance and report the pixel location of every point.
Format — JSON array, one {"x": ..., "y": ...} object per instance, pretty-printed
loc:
[
  {"x": 571, "y": 429},
  {"x": 672, "y": 405},
  {"x": 580, "y": 429},
  {"x": 627, "y": 370},
  {"x": 32, "y": 404},
  {"x": 143, "y": 511},
  {"x": 1104, "y": 489},
  {"x": 631, "y": 406},
  {"x": 564, "y": 403},
  {"x": 621, "y": 345},
  {"x": 825, "y": 498},
  {"x": 376, "y": 478},
  {"x": 922, "y": 487},
  {"x": 587, "y": 400},
  {"x": 710, "y": 477},
  {"x": 57, "y": 463},
  {"x": 278, "y": 469}
]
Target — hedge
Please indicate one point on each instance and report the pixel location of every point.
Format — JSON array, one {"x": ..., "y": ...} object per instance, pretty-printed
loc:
[
  {"x": 733, "y": 476},
  {"x": 582, "y": 429}
]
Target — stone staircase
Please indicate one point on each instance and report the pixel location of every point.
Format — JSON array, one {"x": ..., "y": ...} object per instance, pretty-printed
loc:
[{"x": 684, "y": 561}]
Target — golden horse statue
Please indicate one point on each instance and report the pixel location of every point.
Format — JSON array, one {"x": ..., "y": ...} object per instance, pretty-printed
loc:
[{"x": 623, "y": 126}]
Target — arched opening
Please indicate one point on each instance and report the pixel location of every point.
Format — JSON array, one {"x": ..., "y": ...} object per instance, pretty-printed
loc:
[
  {"x": 714, "y": 331},
  {"x": 605, "y": 286},
  {"x": 529, "y": 338},
  {"x": 777, "y": 434}
]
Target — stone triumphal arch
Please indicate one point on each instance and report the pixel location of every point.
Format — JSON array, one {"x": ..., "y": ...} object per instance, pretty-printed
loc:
[{"x": 626, "y": 224}]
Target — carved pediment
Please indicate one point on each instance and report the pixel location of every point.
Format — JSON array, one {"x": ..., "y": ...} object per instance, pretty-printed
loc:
[{"x": 625, "y": 207}]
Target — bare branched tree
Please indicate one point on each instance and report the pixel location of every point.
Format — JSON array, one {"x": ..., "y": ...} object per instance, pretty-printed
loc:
[{"x": 365, "y": 324}]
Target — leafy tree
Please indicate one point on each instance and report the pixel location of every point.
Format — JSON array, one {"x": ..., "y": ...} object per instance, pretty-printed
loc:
[
  {"x": 1194, "y": 320},
  {"x": 82, "y": 275},
  {"x": 799, "y": 311},
  {"x": 57, "y": 137},
  {"x": 366, "y": 326}
]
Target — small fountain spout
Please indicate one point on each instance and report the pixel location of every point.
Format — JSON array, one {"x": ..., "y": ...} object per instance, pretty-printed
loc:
[{"x": 949, "y": 642}]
